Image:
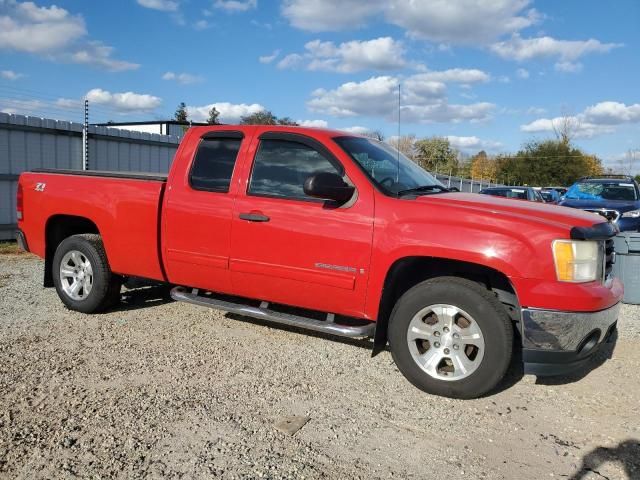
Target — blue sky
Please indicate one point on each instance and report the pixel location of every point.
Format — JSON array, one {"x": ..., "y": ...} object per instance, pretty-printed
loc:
[{"x": 489, "y": 76}]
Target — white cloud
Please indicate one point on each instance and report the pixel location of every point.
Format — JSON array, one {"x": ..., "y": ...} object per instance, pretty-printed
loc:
[
  {"x": 536, "y": 111},
  {"x": 25, "y": 27},
  {"x": 613, "y": 113},
  {"x": 229, "y": 112},
  {"x": 568, "y": 67},
  {"x": 99, "y": 55},
  {"x": 455, "y": 75},
  {"x": 382, "y": 53},
  {"x": 598, "y": 119},
  {"x": 522, "y": 73},
  {"x": 162, "y": 5},
  {"x": 423, "y": 101},
  {"x": 269, "y": 58},
  {"x": 566, "y": 51},
  {"x": 201, "y": 25},
  {"x": 358, "y": 130},
  {"x": 459, "y": 22},
  {"x": 54, "y": 33},
  {"x": 473, "y": 143},
  {"x": 329, "y": 15},
  {"x": 313, "y": 123},
  {"x": 375, "y": 96},
  {"x": 236, "y": 5},
  {"x": 182, "y": 78},
  {"x": 293, "y": 60},
  {"x": 10, "y": 75},
  {"x": 123, "y": 102}
]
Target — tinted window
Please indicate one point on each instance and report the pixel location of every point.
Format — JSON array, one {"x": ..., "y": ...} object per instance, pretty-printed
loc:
[
  {"x": 281, "y": 167},
  {"x": 214, "y": 162}
]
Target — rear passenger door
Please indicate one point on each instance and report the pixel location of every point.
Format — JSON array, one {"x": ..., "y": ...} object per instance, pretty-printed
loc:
[
  {"x": 289, "y": 248},
  {"x": 198, "y": 210}
]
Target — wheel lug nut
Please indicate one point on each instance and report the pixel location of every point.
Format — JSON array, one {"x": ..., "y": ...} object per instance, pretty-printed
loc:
[
  {"x": 446, "y": 351},
  {"x": 455, "y": 335},
  {"x": 445, "y": 329},
  {"x": 456, "y": 346},
  {"x": 437, "y": 334},
  {"x": 436, "y": 344}
]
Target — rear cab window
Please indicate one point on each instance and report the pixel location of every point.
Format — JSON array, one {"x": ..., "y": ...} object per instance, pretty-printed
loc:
[{"x": 214, "y": 161}]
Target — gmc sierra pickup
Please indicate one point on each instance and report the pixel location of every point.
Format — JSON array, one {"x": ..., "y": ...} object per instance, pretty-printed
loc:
[{"x": 336, "y": 233}]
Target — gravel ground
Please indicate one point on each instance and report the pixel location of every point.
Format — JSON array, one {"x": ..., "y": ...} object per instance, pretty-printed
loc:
[{"x": 158, "y": 389}]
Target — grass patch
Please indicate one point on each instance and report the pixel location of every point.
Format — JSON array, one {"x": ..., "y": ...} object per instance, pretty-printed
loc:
[{"x": 10, "y": 248}]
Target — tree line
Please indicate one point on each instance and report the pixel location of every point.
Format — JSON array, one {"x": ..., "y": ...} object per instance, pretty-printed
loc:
[{"x": 263, "y": 117}]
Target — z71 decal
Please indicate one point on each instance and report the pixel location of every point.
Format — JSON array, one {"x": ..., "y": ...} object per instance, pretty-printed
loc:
[{"x": 40, "y": 187}]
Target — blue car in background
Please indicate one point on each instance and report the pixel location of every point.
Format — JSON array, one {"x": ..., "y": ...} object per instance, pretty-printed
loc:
[{"x": 615, "y": 197}]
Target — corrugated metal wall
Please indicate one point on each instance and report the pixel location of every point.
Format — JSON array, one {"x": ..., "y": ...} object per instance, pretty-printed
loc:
[{"x": 30, "y": 142}]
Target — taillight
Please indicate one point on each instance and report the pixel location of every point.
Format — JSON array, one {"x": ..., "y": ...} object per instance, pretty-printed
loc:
[{"x": 19, "y": 203}]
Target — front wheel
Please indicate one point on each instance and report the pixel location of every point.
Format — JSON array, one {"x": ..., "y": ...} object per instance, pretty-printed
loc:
[
  {"x": 82, "y": 276},
  {"x": 450, "y": 336}
]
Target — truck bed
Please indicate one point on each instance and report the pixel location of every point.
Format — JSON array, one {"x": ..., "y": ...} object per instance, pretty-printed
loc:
[{"x": 124, "y": 207}]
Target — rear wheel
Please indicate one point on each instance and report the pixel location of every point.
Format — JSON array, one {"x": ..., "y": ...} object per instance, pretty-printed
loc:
[
  {"x": 452, "y": 337},
  {"x": 82, "y": 276}
]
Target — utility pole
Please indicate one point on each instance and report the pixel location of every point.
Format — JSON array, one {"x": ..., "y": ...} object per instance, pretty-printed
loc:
[{"x": 85, "y": 137}]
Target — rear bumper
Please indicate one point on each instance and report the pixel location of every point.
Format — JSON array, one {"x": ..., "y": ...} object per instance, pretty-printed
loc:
[
  {"x": 22, "y": 240},
  {"x": 556, "y": 342}
]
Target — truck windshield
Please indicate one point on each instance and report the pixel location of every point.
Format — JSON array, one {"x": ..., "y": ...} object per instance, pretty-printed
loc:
[
  {"x": 393, "y": 174},
  {"x": 602, "y": 191}
]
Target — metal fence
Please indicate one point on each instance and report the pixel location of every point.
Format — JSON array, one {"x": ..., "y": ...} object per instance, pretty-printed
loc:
[
  {"x": 465, "y": 184},
  {"x": 31, "y": 142}
]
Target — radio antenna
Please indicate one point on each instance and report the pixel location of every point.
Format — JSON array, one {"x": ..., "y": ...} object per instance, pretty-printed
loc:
[{"x": 398, "y": 141}]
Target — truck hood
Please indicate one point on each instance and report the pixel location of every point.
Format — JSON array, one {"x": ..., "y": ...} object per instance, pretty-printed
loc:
[{"x": 544, "y": 214}]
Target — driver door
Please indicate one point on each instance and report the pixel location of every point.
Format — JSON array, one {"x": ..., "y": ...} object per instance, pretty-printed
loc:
[{"x": 289, "y": 248}]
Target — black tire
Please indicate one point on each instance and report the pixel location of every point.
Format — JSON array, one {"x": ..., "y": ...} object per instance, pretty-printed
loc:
[
  {"x": 105, "y": 290},
  {"x": 486, "y": 310}
]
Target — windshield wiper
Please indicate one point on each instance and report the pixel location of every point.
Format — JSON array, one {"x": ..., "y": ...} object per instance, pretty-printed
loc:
[{"x": 422, "y": 189}]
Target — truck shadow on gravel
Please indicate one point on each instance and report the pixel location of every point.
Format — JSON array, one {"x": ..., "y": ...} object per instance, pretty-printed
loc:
[
  {"x": 142, "y": 297},
  {"x": 626, "y": 454}
]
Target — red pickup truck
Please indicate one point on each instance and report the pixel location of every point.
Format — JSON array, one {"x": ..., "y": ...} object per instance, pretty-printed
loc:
[{"x": 336, "y": 233}]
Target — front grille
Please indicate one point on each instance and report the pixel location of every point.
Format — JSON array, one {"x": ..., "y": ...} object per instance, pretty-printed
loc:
[
  {"x": 609, "y": 258},
  {"x": 609, "y": 214}
]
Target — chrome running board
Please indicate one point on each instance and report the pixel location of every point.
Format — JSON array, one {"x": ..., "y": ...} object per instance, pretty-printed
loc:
[{"x": 182, "y": 294}]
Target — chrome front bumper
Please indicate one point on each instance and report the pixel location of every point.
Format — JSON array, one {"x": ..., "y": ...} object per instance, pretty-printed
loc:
[{"x": 556, "y": 343}]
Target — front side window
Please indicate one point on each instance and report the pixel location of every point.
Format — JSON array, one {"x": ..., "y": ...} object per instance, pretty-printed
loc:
[
  {"x": 281, "y": 167},
  {"x": 213, "y": 164},
  {"x": 390, "y": 170}
]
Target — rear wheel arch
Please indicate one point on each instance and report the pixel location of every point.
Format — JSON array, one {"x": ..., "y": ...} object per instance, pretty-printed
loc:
[
  {"x": 407, "y": 272},
  {"x": 57, "y": 228}
]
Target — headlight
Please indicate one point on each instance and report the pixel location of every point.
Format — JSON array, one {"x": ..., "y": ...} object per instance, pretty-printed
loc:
[
  {"x": 576, "y": 261},
  {"x": 631, "y": 214}
]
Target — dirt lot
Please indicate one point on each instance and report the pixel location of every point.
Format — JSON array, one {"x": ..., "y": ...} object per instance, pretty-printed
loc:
[{"x": 158, "y": 389}]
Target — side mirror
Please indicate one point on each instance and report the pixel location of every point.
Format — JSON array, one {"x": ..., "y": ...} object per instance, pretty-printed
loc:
[{"x": 328, "y": 186}]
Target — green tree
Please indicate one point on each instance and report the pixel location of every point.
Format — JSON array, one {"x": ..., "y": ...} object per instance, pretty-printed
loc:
[
  {"x": 548, "y": 162},
  {"x": 287, "y": 121},
  {"x": 213, "y": 116},
  {"x": 436, "y": 154},
  {"x": 263, "y": 117},
  {"x": 181, "y": 113}
]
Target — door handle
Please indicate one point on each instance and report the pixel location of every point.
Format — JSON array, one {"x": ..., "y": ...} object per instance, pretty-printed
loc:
[{"x": 254, "y": 217}]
